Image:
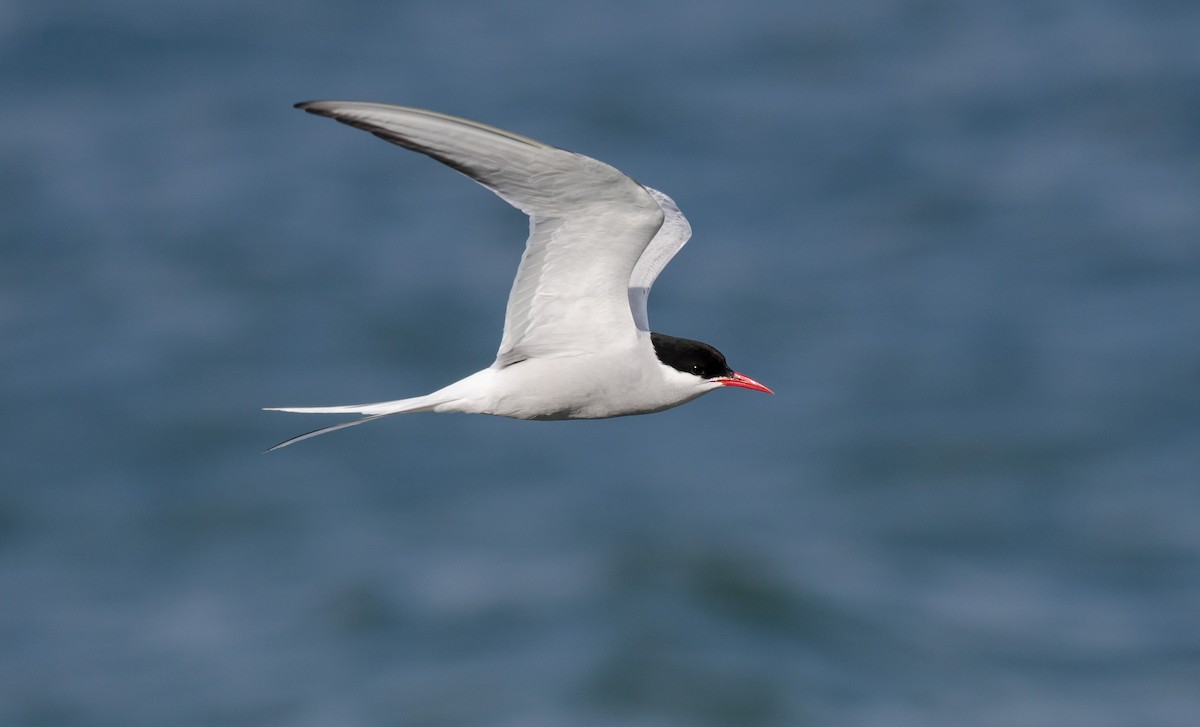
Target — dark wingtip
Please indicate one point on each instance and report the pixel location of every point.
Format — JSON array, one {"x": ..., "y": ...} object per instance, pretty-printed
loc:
[{"x": 311, "y": 107}]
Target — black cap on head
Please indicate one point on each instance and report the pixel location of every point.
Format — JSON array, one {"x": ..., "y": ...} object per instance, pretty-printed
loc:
[{"x": 690, "y": 357}]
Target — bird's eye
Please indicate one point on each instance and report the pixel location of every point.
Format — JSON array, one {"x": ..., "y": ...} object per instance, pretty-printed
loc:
[{"x": 697, "y": 369}]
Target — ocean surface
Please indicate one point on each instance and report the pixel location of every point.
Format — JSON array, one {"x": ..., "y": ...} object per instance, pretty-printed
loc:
[{"x": 960, "y": 240}]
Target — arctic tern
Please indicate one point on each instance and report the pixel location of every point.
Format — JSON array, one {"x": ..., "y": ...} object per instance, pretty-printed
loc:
[{"x": 577, "y": 343}]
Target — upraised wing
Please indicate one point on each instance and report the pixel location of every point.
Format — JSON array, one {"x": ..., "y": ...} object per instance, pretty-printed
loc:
[
  {"x": 589, "y": 225},
  {"x": 671, "y": 237}
]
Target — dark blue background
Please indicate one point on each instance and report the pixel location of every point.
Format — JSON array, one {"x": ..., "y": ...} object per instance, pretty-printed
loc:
[{"x": 961, "y": 240}]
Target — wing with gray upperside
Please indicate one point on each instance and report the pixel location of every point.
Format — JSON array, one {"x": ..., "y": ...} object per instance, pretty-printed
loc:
[{"x": 589, "y": 224}]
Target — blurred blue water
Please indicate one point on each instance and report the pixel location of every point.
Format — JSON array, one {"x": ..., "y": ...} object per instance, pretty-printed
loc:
[{"x": 960, "y": 240}]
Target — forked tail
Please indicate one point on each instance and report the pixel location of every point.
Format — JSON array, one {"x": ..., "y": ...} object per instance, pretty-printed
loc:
[{"x": 370, "y": 412}]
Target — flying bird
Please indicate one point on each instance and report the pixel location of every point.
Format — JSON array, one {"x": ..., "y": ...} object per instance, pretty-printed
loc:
[{"x": 577, "y": 343}]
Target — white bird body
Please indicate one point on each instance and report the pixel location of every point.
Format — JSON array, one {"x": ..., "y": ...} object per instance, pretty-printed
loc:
[{"x": 577, "y": 342}]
